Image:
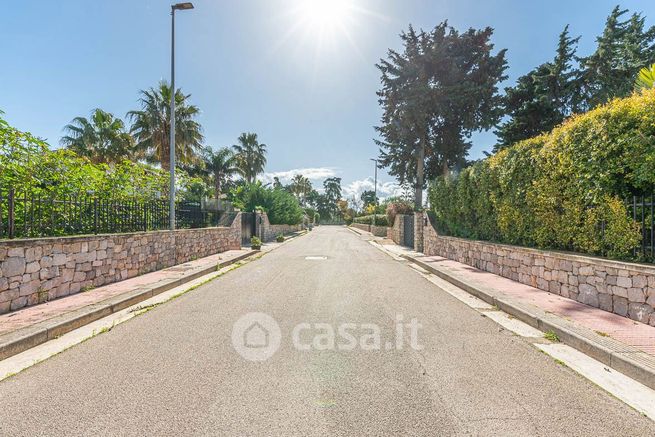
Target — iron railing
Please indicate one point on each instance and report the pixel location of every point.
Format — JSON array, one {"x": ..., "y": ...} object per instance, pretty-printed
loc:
[
  {"x": 641, "y": 210},
  {"x": 25, "y": 215}
]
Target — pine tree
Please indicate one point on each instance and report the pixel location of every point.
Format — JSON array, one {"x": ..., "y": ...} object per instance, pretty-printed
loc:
[
  {"x": 622, "y": 50},
  {"x": 435, "y": 93},
  {"x": 543, "y": 98}
]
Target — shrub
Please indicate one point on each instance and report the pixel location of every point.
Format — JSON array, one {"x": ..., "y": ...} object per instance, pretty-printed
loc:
[
  {"x": 255, "y": 242},
  {"x": 380, "y": 220},
  {"x": 283, "y": 208},
  {"x": 398, "y": 207},
  {"x": 280, "y": 205},
  {"x": 279, "y": 238},
  {"x": 555, "y": 190}
]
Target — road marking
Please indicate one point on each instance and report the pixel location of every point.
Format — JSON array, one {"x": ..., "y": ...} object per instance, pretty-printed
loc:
[
  {"x": 19, "y": 362},
  {"x": 516, "y": 326},
  {"x": 637, "y": 395},
  {"x": 316, "y": 258}
]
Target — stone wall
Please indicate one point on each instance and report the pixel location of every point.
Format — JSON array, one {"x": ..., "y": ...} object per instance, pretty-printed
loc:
[
  {"x": 378, "y": 231},
  {"x": 420, "y": 220},
  {"x": 268, "y": 232},
  {"x": 37, "y": 270},
  {"x": 626, "y": 289},
  {"x": 397, "y": 231}
]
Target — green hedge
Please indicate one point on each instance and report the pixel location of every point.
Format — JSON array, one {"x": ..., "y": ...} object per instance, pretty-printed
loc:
[
  {"x": 380, "y": 220},
  {"x": 555, "y": 190}
]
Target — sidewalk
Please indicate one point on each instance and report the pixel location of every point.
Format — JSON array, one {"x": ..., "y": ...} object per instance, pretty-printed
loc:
[
  {"x": 28, "y": 327},
  {"x": 619, "y": 342}
]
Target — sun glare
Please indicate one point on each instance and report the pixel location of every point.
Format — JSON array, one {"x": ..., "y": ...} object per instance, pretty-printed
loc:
[{"x": 325, "y": 15}]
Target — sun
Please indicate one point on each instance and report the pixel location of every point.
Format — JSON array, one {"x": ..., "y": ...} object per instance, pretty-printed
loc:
[{"x": 325, "y": 15}]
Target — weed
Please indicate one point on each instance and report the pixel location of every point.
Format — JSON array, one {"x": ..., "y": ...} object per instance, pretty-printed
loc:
[
  {"x": 602, "y": 334},
  {"x": 550, "y": 335}
]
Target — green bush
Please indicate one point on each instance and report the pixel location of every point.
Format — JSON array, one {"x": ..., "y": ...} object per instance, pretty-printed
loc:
[
  {"x": 380, "y": 220},
  {"x": 555, "y": 190},
  {"x": 281, "y": 206}
]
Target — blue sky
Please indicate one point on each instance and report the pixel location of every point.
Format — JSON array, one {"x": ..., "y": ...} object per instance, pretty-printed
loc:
[{"x": 306, "y": 87}]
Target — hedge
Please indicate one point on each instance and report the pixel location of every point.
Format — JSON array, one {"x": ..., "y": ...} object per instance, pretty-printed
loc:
[
  {"x": 380, "y": 220},
  {"x": 562, "y": 190}
]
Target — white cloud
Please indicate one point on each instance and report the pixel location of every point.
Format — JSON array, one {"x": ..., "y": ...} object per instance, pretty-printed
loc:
[
  {"x": 385, "y": 189},
  {"x": 317, "y": 174}
]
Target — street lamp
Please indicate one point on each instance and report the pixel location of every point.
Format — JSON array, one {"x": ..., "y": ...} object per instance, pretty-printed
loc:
[
  {"x": 171, "y": 211},
  {"x": 375, "y": 189}
]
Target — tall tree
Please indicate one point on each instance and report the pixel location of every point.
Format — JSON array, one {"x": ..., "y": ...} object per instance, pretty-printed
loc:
[
  {"x": 543, "y": 98},
  {"x": 250, "y": 156},
  {"x": 300, "y": 187},
  {"x": 622, "y": 50},
  {"x": 101, "y": 139},
  {"x": 276, "y": 183},
  {"x": 151, "y": 126},
  {"x": 441, "y": 88},
  {"x": 369, "y": 198},
  {"x": 220, "y": 166},
  {"x": 332, "y": 193}
]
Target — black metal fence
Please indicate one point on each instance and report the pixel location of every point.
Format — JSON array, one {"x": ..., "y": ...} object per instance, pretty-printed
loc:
[
  {"x": 641, "y": 209},
  {"x": 30, "y": 216}
]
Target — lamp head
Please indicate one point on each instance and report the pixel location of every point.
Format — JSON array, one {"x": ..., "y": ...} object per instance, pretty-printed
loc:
[{"x": 182, "y": 6}]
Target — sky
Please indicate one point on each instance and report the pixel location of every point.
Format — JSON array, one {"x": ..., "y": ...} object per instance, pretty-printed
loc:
[{"x": 302, "y": 77}]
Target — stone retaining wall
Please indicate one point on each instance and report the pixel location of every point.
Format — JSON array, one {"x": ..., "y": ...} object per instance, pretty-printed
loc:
[
  {"x": 268, "y": 232},
  {"x": 378, "y": 231},
  {"x": 37, "y": 270},
  {"x": 397, "y": 231},
  {"x": 627, "y": 289}
]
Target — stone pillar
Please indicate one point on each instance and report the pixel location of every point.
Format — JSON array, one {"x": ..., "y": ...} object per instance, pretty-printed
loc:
[
  {"x": 419, "y": 222},
  {"x": 260, "y": 225}
]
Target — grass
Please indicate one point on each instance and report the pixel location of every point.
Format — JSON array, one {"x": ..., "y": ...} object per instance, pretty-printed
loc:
[
  {"x": 550, "y": 335},
  {"x": 560, "y": 362},
  {"x": 602, "y": 334}
]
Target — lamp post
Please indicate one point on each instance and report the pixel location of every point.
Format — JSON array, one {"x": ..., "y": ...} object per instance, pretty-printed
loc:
[
  {"x": 171, "y": 211},
  {"x": 375, "y": 190}
]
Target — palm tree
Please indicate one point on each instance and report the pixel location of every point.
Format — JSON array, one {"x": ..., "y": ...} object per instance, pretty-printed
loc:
[
  {"x": 301, "y": 187},
  {"x": 219, "y": 165},
  {"x": 101, "y": 139},
  {"x": 151, "y": 127},
  {"x": 646, "y": 78},
  {"x": 250, "y": 156}
]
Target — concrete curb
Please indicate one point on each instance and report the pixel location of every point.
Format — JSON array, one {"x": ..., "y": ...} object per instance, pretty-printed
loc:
[
  {"x": 621, "y": 357},
  {"x": 26, "y": 338}
]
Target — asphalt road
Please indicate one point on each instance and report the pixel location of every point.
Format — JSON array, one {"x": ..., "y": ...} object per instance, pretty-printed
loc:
[{"x": 174, "y": 370}]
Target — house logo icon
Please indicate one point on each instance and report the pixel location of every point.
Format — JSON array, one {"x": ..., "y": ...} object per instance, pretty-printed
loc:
[{"x": 256, "y": 336}]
